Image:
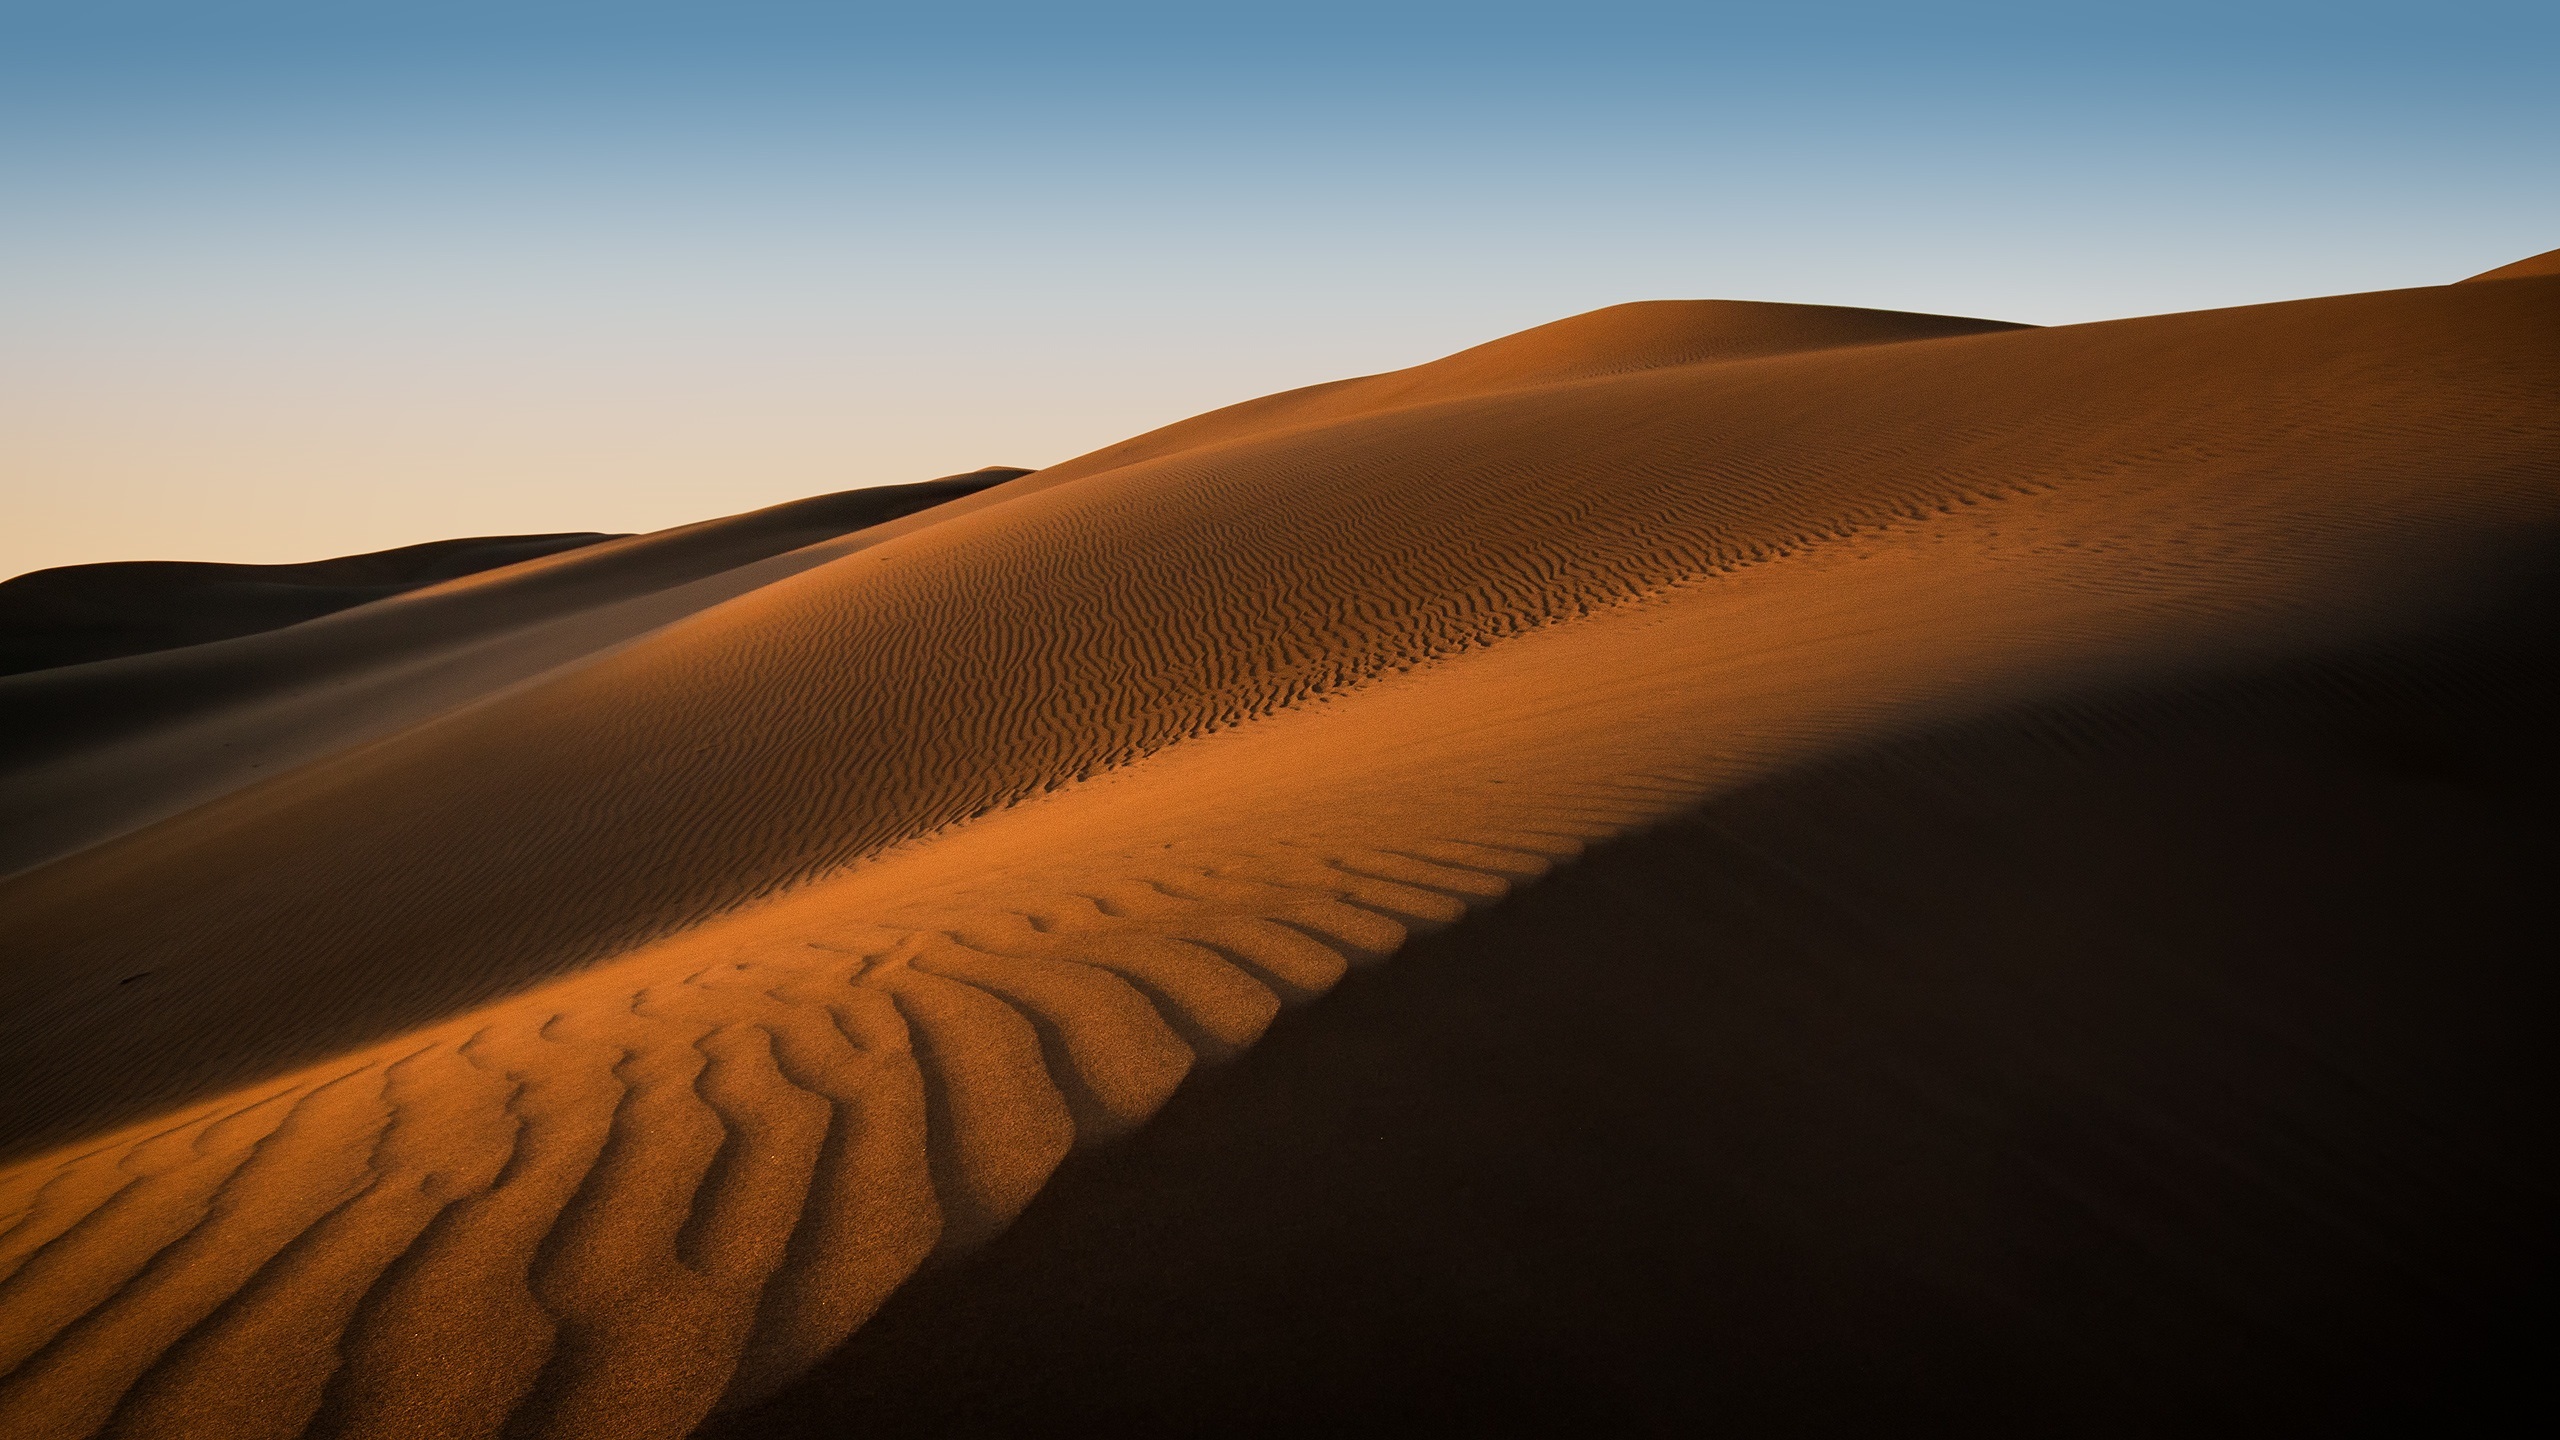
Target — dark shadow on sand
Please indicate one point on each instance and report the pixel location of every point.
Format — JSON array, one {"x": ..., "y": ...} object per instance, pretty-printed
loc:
[{"x": 2155, "y": 1062}]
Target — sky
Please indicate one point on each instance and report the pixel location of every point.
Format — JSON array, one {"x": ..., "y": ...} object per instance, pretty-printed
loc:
[{"x": 288, "y": 280}]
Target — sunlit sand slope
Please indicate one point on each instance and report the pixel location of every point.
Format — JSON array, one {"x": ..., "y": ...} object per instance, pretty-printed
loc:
[{"x": 606, "y": 1053}]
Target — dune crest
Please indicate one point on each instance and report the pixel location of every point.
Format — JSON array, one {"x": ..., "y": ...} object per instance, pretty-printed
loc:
[
  {"x": 604, "y": 1054},
  {"x": 1617, "y": 340},
  {"x": 2532, "y": 267}
]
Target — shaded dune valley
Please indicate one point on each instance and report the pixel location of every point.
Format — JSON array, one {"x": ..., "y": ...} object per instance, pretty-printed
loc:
[{"x": 1708, "y": 865}]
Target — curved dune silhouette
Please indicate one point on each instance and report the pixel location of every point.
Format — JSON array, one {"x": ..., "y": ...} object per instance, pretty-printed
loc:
[
  {"x": 2531, "y": 267},
  {"x": 601, "y": 1048},
  {"x": 1644, "y": 335},
  {"x": 79, "y": 613}
]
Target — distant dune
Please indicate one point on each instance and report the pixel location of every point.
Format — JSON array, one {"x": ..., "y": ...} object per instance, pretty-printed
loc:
[
  {"x": 80, "y": 613},
  {"x": 95, "y": 750},
  {"x": 1945, "y": 872}
]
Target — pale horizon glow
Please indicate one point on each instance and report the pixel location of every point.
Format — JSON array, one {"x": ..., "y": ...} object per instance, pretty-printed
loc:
[{"x": 301, "y": 285}]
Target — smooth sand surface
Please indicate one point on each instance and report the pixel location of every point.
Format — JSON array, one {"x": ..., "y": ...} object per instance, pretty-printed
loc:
[
  {"x": 600, "y": 1055},
  {"x": 1646, "y": 335},
  {"x": 2531, "y": 267}
]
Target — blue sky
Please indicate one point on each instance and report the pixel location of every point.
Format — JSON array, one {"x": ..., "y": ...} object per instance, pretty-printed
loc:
[{"x": 279, "y": 281}]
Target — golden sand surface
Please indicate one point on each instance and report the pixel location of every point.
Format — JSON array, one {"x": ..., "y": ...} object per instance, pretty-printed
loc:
[{"x": 601, "y": 1045}]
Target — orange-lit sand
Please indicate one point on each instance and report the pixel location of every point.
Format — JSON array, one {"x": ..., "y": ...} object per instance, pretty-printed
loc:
[{"x": 591, "y": 1038}]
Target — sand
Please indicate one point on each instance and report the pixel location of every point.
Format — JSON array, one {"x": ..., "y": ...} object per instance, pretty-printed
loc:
[
  {"x": 599, "y": 1048},
  {"x": 79, "y": 613},
  {"x": 96, "y": 750},
  {"x": 2531, "y": 267},
  {"x": 2151, "y": 1061}
]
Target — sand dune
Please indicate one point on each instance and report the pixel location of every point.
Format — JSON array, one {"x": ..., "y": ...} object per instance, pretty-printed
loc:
[
  {"x": 1646, "y": 335},
  {"x": 2531, "y": 267},
  {"x": 80, "y": 613},
  {"x": 95, "y": 750},
  {"x": 603, "y": 1052}
]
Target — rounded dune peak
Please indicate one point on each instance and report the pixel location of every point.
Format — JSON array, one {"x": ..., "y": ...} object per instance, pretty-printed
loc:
[
  {"x": 1653, "y": 334},
  {"x": 2529, "y": 268},
  {"x": 1614, "y": 340}
]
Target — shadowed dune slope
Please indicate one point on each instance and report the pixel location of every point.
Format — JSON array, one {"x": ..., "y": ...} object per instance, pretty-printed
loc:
[
  {"x": 94, "y": 750},
  {"x": 2148, "y": 1061},
  {"x": 601, "y": 1056},
  {"x": 79, "y": 613}
]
